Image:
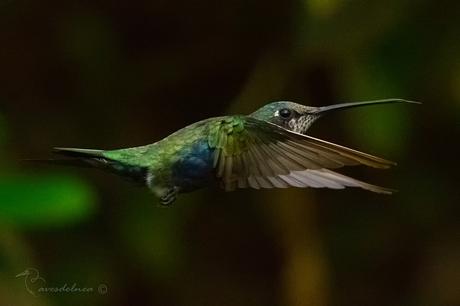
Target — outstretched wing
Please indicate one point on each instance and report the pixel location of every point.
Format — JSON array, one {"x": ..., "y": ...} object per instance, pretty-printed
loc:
[{"x": 254, "y": 153}]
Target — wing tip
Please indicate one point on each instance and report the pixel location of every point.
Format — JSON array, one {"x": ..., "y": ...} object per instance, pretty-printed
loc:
[
  {"x": 377, "y": 189},
  {"x": 384, "y": 190},
  {"x": 383, "y": 164}
]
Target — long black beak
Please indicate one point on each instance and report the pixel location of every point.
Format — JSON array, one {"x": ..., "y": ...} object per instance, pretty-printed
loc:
[{"x": 330, "y": 108}]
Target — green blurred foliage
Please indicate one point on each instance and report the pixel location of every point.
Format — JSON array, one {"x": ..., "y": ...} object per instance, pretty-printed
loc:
[{"x": 43, "y": 201}]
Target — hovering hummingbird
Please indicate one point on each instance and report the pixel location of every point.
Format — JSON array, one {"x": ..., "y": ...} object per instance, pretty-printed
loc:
[{"x": 266, "y": 149}]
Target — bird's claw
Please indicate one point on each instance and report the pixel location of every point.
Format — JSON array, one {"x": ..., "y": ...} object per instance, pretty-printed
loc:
[{"x": 169, "y": 197}]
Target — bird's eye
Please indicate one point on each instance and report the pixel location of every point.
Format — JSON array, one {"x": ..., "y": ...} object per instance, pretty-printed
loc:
[{"x": 285, "y": 113}]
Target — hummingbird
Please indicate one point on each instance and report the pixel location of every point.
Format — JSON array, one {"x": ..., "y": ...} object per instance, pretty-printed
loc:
[{"x": 266, "y": 149}]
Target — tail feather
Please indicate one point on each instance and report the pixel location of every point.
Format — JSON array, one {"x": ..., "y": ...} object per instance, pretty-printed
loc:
[
  {"x": 82, "y": 153},
  {"x": 96, "y": 158},
  {"x": 77, "y": 158},
  {"x": 91, "y": 157}
]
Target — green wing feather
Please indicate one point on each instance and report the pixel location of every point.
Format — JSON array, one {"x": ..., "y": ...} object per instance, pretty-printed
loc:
[{"x": 258, "y": 154}]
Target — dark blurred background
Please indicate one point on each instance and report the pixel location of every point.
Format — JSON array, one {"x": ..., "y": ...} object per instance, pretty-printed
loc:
[{"x": 112, "y": 74}]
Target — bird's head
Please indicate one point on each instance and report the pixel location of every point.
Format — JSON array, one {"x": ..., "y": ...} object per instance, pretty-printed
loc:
[
  {"x": 26, "y": 272},
  {"x": 298, "y": 118}
]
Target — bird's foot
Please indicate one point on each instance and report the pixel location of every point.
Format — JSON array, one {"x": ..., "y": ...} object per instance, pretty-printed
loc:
[{"x": 169, "y": 197}]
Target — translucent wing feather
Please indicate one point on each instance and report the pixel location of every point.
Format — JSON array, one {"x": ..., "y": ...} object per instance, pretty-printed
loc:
[{"x": 258, "y": 154}]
